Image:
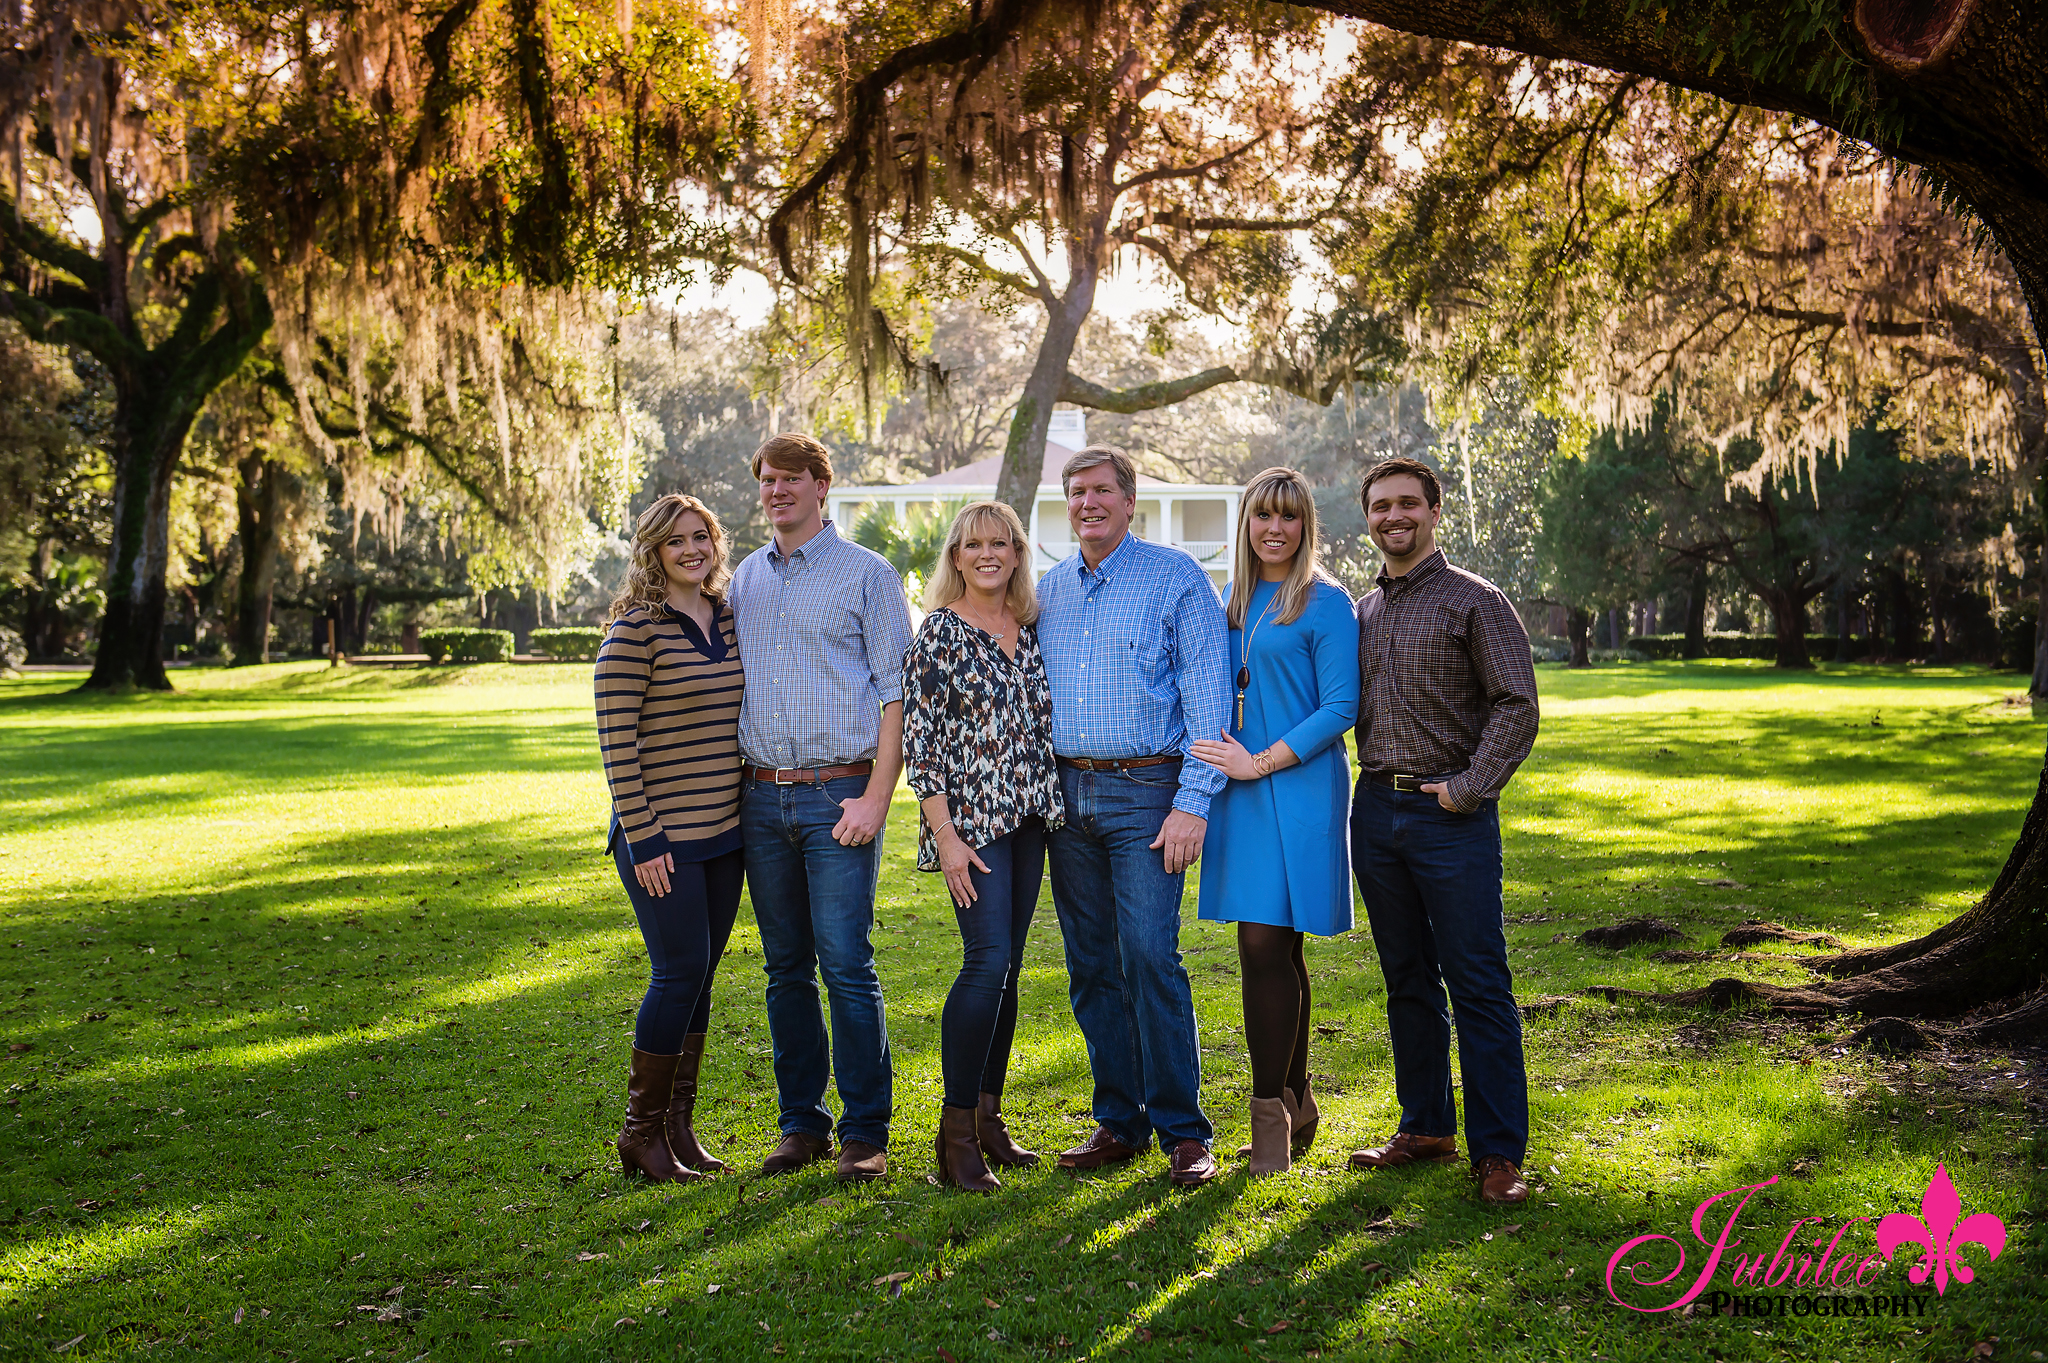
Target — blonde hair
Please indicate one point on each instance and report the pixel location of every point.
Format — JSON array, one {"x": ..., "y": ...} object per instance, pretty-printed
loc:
[
  {"x": 947, "y": 585},
  {"x": 1286, "y": 493},
  {"x": 646, "y": 581}
]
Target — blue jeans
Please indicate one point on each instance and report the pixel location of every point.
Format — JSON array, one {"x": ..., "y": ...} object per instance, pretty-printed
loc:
[
  {"x": 1120, "y": 920},
  {"x": 685, "y": 931},
  {"x": 814, "y": 902},
  {"x": 1431, "y": 884},
  {"x": 980, "y": 1020}
]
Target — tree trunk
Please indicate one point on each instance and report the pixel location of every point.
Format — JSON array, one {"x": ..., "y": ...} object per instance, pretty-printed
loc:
[
  {"x": 1695, "y": 616},
  {"x": 1788, "y": 623},
  {"x": 1905, "y": 627},
  {"x": 1842, "y": 623},
  {"x": 2039, "y": 686},
  {"x": 256, "y": 509},
  {"x": 1024, "y": 454},
  {"x": 131, "y": 643},
  {"x": 1578, "y": 626}
]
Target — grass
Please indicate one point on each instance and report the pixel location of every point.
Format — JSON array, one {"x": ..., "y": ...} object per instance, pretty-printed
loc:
[{"x": 317, "y": 994}]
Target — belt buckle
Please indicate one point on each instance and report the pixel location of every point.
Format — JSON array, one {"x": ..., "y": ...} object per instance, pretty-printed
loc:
[
  {"x": 777, "y": 778},
  {"x": 1401, "y": 776}
]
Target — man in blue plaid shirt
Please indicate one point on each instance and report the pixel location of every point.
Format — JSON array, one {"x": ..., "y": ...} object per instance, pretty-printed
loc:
[
  {"x": 1137, "y": 652},
  {"x": 822, "y": 630}
]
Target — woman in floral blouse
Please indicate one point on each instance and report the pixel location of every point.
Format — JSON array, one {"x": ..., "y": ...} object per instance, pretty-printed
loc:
[{"x": 977, "y": 749}]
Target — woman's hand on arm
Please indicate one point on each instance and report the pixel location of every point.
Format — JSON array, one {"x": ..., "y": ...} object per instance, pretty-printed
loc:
[{"x": 1229, "y": 756}]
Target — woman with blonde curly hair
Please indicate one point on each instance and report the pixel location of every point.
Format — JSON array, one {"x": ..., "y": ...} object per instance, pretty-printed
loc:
[
  {"x": 977, "y": 749},
  {"x": 668, "y": 706}
]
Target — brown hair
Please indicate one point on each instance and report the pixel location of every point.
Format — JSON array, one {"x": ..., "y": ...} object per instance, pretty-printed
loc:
[
  {"x": 1285, "y": 492},
  {"x": 1096, "y": 455},
  {"x": 794, "y": 452},
  {"x": 646, "y": 582},
  {"x": 1389, "y": 468},
  {"x": 947, "y": 585}
]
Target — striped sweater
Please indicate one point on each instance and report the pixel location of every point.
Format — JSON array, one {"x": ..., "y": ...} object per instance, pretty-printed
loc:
[{"x": 668, "y": 710}]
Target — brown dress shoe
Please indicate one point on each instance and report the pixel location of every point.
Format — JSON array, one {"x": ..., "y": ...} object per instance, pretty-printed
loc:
[
  {"x": 959, "y": 1152},
  {"x": 1099, "y": 1149},
  {"x": 682, "y": 1107},
  {"x": 643, "y": 1140},
  {"x": 1190, "y": 1164},
  {"x": 1407, "y": 1148},
  {"x": 996, "y": 1141},
  {"x": 1500, "y": 1182},
  {"x": 797, "y": 1149},
  {"x": 860, "y": 1162}
]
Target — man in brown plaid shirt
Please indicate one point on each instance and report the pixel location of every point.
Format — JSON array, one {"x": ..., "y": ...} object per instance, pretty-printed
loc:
[{"x": 1447, "y": 712}]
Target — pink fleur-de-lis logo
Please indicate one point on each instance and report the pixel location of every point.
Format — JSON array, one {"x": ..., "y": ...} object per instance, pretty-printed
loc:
[{"x": 1935, "y": 1230}]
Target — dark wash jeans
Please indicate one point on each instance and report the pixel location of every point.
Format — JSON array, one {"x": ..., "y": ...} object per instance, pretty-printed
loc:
[
  {"x": 1119, "y": 917},
  {"x": 814, "y": 902},
  {"x": 980, "y": 1020},
  {"x": 1431, "y": 884},
  {"x": 685, "y": 931}
]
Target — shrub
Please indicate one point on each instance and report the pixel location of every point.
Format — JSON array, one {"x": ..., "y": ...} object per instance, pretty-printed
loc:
[
  {"x": 467, "y": 645},
  {"x": 579, "y": 641},
  {"x": 1821, "y": 647},
  {"x": 13, "y": 652}
]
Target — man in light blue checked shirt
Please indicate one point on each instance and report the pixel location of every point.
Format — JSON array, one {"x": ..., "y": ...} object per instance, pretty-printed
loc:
[
  {"x": 822, "y": 629},
  {"x": 1137, "y": 652}
]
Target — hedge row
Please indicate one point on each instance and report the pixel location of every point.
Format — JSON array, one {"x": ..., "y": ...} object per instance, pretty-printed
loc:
[
  {"x": 467, "y": 645},
  {"x": 1820, "y": 647},
  {"x": 580, "y": 641}
]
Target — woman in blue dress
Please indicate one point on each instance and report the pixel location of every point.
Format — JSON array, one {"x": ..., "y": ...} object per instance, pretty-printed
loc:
[{"x": 1276, "y": 860}]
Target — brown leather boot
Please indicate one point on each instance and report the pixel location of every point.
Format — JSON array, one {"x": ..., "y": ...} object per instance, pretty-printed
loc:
[
  {"x": 682, "y": 1139},
  {"x": 996, "y": 1142},
  {"x": 643, "y": 1141},
  {"x": 959, "y": 1152}
]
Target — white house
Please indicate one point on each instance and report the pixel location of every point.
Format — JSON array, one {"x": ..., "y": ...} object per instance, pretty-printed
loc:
[{"x": 1198, "y": 517}]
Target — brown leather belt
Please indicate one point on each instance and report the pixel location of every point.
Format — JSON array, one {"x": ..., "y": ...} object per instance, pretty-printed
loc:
[
  {"x": 797, "y": 776},
  {"x": 1401, "y": 780},
  {"x": 1117, "y": 763}
]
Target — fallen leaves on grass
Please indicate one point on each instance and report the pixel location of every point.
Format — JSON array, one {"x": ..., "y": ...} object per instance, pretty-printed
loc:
[
  {"x": 1277, "y": 1326},
  {"x": 890, "y": 1278},
  {"x": 585, "y": 1257}
]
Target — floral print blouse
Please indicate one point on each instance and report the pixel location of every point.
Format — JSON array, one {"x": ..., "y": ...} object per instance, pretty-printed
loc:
[{"x": 977, "y": 727}]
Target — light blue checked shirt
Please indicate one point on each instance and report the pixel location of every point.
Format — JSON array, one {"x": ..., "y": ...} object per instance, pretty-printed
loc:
[
  {"x": 1138, "y": 654},
  {"x": 822, "y": 634}
]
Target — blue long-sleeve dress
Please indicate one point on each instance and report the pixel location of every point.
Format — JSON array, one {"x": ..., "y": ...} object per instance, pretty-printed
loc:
[{"x": 1278, "y": 850}]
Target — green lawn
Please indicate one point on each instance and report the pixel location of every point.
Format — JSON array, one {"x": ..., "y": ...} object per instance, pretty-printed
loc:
[{"x": 318, "y": 993}]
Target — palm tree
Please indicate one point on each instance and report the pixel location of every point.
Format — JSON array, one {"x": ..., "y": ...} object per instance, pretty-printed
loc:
[{"x": 913, "y": 544}]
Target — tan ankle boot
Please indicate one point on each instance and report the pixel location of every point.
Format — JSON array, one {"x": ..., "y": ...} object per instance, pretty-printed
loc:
[
  {"x": 1306, "y": 1117},
  {"x": 1271, "y": 1135}
]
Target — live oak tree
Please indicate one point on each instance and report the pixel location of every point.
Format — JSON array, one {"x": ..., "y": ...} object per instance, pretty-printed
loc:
[
  {"x": 1957, "y": 89},
  {"x": 309, "y": 163},
  {"x": 1028, "y": 155}
]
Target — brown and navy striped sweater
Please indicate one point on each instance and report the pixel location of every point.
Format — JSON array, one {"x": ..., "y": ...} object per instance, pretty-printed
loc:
[{"x": 668, "y": 713}]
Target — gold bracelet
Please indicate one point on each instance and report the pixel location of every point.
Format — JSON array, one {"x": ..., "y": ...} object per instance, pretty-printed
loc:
[{"x": 1262, "y": 762}]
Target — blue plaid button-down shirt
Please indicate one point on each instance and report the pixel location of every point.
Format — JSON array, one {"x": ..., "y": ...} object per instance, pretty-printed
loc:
[
  {"x": 822, "y": 634},
  {"x": 1138, "y": 655}
]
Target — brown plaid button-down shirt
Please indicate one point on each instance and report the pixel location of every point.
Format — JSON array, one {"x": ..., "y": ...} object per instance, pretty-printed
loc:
[{"x": 1447, "y": 685}]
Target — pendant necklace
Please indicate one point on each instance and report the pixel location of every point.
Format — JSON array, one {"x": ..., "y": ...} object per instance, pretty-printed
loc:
[{"x": 1244, "y": 662}]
